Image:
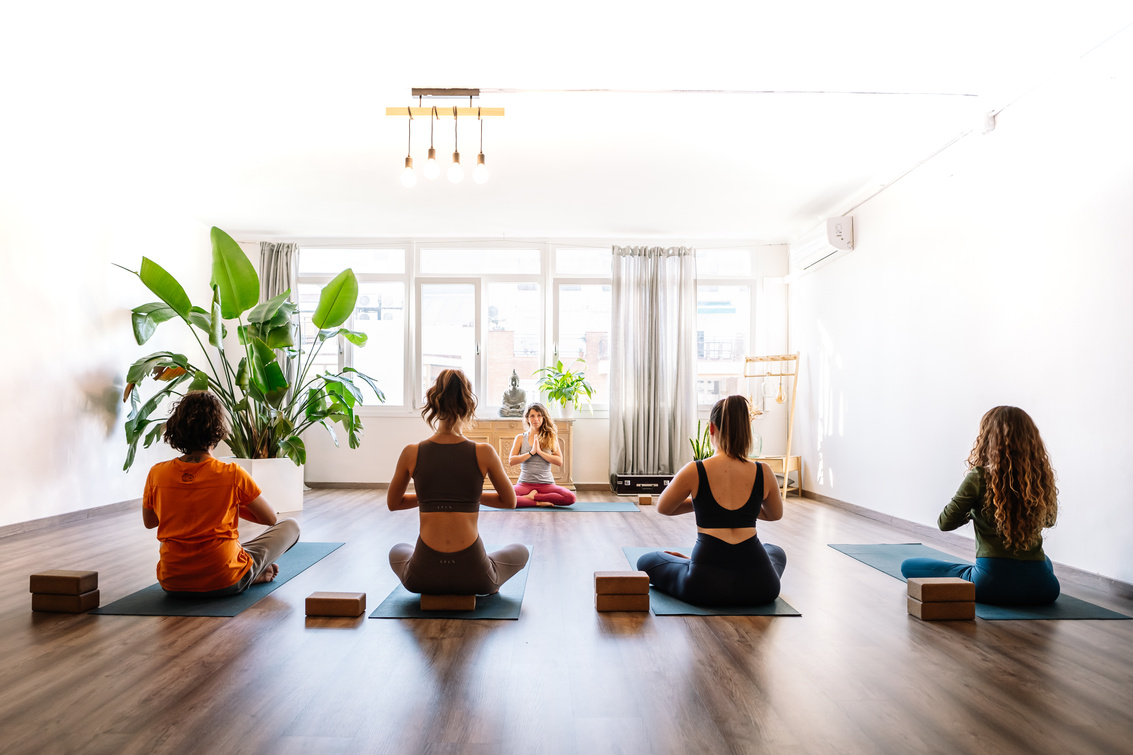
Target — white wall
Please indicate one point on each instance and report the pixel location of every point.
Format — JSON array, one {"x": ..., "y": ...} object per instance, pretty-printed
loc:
[
  {"x": 997, "y": 273},
  {"x": 68, "y": 340}
]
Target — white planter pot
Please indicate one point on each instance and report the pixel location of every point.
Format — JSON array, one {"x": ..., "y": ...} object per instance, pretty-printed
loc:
[
  {"x": 566, "y": 411},
  {"x": 279, "y": 479}
]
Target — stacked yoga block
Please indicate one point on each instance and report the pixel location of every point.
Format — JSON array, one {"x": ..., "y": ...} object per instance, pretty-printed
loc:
[
  {"x": 64, "y": 591},
  {"x": 941, "y": 598},
  {"x": 621, "y": 590},
  {"x": 349, "y": 604}
]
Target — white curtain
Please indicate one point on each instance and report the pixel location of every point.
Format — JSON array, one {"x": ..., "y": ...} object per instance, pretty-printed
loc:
[
  {"x": 652, "y": 359},
  {"x": 279, "y": 267}
]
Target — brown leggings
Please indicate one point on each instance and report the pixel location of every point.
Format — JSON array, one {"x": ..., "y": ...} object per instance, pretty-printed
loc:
[{"x": 472, "y": 571}]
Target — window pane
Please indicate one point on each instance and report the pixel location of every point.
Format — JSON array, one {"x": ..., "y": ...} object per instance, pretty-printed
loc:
[
  {"x": 448, "y": 331},
  {"x": 479, "y": 261},
  {"x": 334, "y": 261},
  {"x": 327, "y": 358},
  {"x": 596, "y": 261},
  {"x": 380, "y": 314},
  {"x": 723, "y": 318},
  {"x": 515, "y": 320},
  {"x": 584, "y": 332},
  {"x": 723, "y": 263}
]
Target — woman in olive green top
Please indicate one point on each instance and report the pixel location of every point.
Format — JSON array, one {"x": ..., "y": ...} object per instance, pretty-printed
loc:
[{"x": 1010, "y": 497}]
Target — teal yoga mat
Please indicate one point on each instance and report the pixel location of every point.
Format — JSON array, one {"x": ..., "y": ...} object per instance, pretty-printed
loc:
[
  {"x": 887, "y": 557},
  {"x": 578, "y": 506},
  {"x": 667, "y": 605},
  {"x": 505, "y": 605},
  {"x": 153, "y": 601}
]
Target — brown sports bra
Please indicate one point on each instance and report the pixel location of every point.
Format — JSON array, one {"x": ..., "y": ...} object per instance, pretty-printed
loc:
[{"x": 447, "y": 477}]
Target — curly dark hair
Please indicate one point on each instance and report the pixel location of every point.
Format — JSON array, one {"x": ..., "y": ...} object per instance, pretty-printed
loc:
[
  {"x": 732, "y": 418},
  {"x": 197, "y": 423},
  {"x": 1021, "y": 495},
  {"x": 450, "y": 399}
]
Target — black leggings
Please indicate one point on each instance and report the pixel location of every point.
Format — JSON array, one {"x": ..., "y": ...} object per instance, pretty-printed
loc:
[{"x": 719, "y": 574}]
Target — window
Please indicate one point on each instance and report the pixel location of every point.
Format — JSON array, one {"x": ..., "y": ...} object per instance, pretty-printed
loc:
[
  {"x": 723, "y": 322},
  {"x": 379, "y": 313}
]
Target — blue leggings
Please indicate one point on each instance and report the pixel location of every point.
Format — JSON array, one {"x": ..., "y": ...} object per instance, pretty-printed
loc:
[
  {"x": 999, "y": 581},
  {"x": 719, "y": 574}
]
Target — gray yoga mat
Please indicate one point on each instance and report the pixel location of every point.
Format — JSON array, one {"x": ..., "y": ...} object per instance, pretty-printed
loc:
[
  {"x": 506, "y": 604},
  {"x": 153, "y": 601},
  {"x": 887, "y": 557},
  {"x": 578, "y": 506},
  {"x": 667, "y": 605}
]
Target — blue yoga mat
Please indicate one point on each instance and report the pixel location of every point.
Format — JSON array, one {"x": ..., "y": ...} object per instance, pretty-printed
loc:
[
  {"x": 506, "y": 604},
  {"x": 153, "y": 601},
  {"x": 577, "y": 506},
  {"x": 887, "y": 557},
  {"x": 666, "y": 605}
]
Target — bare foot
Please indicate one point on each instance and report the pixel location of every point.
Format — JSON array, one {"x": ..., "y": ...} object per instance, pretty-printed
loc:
[
  {"x": 678, "y": 555},
  {"x": 545, "y": 504},
  {"x": 268, "y": 574},
  {"x": 530, "y": 494}
]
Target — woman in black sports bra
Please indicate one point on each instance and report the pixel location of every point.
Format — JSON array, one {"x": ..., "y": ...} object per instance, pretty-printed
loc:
[
  {"x": 727, "y": 492},
  {"x": 448, "y": 476}
]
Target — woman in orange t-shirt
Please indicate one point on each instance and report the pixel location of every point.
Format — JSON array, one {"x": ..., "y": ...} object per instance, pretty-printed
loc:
[{"x": 195, "y": 502}]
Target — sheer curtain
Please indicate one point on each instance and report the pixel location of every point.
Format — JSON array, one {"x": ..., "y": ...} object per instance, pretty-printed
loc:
[
  {"x": 279, "y": 267},
  {"x": 652, "y": 359}
]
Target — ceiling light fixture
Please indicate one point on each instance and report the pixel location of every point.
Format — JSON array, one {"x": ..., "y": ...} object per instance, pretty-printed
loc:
[
  {"x": 480, "y": 172},
  {"x": 455, "y": 172},
  {"x": 432, "y": 166},
  {"x": 408, "y": 177}
]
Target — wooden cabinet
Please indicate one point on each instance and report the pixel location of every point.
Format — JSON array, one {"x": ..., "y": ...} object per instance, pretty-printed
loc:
[{"x": 500, "y": 432}]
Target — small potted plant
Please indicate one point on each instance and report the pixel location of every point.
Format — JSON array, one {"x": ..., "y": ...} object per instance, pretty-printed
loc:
[
  {"x": 565, "y": 386},
  {"x": 701, "y": 444}
]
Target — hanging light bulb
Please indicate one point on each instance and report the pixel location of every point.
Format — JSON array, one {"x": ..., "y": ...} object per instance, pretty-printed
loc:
[
  {"x": 480, "y": 172},
  {"x": 432, "y": 167},
  {"x": 455, "y": 172},
  {"x": 408, "y": 177}
]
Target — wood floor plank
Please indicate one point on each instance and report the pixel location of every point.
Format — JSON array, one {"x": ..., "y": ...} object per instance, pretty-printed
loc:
[{"x": 853, "y": 674}]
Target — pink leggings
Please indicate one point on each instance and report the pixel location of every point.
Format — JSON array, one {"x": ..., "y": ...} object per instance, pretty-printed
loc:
[{"x": 550, "y": 493}]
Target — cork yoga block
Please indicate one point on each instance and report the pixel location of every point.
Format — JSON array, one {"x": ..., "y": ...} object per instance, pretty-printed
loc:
[
  {"x": 645, "y": 500},
  {"x": 448, "y": 602},
  {"x": 621, "y": 583},
  {"x": 336, "y": 604},
  {"x": 64, "y": 603},
  {"x": 942, "y": 611},
  {"x": 941, "y": 589},
  {"x": 63, "y": 582},
  {"x": 622, "y": 602}
]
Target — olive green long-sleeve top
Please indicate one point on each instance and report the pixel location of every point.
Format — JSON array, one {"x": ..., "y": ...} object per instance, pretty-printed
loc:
[{"x": 968, "y": 506}]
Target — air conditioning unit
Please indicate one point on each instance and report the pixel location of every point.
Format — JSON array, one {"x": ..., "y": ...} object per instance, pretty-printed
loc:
[{"x": 821, "y": 244}]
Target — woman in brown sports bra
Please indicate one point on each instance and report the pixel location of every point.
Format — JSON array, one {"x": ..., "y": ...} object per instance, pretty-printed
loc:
[{"x": 448, "y": 475}]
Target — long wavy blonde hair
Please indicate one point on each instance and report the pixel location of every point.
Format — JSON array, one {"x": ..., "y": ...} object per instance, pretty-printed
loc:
[
  {"x": 548, "y": 433},
  {"x": 1021, "y": 495}
]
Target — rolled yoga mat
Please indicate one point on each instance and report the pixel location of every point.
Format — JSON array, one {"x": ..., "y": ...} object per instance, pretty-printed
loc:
[
  {"x": 666, "y": 605},
  {"x": 506, "y": 604},
  {"x": 887, "y": 557},
  {"x": 153, "y": 601},
  {"x": 577, "y": 506}
]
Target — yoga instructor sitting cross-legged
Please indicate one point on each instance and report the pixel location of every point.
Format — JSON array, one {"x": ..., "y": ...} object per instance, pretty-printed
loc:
[
  {"x": 536, "y": 450},
  {"x": 195, "y": 502},
  {"x": 727, "y": 492},
  {"x": 448, "y": 473}
]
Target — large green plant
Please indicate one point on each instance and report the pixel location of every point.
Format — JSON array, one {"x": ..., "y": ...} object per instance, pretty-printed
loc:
[
  {"x": 562, "y": 385},
  {"x": 267, "y": 412}
]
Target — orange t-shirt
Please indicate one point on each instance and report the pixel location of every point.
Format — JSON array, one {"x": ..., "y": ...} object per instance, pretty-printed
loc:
[{"x": 197, "y": 507}]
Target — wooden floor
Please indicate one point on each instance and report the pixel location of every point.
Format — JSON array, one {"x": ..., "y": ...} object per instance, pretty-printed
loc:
[{"x": 854, "y": 674}]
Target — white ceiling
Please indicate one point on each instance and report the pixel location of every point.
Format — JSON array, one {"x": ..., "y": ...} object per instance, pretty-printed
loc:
[{"x": 267, "y": 119}]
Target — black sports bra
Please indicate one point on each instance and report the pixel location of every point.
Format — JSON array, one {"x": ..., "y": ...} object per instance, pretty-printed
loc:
[
  {"x": 447, "y": 477},
  {"x": 711, "y": 514}
]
